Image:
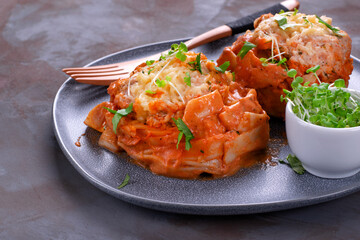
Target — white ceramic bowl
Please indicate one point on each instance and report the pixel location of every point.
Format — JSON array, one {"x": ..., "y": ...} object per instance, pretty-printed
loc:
[{"x": 324, "y": 152}]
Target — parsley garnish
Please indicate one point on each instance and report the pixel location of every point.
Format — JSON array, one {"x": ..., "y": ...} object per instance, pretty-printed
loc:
[
  {"x": 317, "y": 104},
  {"x": 196, "y": 64},
  {"x": 187, "y": 79},
  {"x": 150, "y": 92},
  {"x": 294, "y": 163},
  {"x": 334, "y": 29},
  {"x": 184, "y": 130},
  {"x": 222, "y": 68},
  {"x": 149, "y": 62},
  {"x": 119, "y": 114},
  {"x": 245, "y": 49},
  {"x": 281, "y": 20},
  {"x": 125, "y": 182},
  {"x": 160, "y": 83}
]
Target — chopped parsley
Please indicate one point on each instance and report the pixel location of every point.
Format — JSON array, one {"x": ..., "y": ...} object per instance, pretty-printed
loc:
[
  {"x": 222, "y": 68},
  {"x": 294, "y": 163},
  {"x": 187, "y": 79},
  {"x": 282, "y": 61},
  {"x": 196, "y": 65},
  {"x": 178, "y": 50},
  {"x": 125, "y": 182},
  {"x": 265, "y": 62},
  {"x": 119, "y": 114},
  {"x": 245, "y": 49},
  {"x": 150, "y": 92},
  {"x": 184, "y": 130},
  {"x": 149, "y": 62}
]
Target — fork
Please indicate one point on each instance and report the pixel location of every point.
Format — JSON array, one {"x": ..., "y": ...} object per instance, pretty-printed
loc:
[{"x": 106, "y": 74}]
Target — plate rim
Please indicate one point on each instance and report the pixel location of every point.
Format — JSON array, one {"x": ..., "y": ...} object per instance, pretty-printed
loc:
[{"x": 178, "y": 207}]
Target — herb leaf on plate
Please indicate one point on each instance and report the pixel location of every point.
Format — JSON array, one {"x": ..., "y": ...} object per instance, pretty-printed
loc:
[
  {"x": 294, "y": 163},
  {"x": 125, "y": 182}
]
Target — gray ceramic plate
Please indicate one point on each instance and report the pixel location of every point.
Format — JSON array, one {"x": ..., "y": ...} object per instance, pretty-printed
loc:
[{"x": 254, "y": 190}]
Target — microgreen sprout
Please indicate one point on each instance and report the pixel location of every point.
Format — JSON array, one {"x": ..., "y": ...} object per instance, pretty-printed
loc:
[
  {"x": 160, "y": 83},
  {"x": 313, "y": 70},
  {"x": 282, "y": 61},
  {"x": 178, "y": 49}
]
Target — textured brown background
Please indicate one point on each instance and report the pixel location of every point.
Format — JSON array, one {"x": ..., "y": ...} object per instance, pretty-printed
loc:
[{"x": 41, "y": 194}]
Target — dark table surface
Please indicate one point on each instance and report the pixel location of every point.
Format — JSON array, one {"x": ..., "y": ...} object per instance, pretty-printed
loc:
[{"x": 43, "y": 197}]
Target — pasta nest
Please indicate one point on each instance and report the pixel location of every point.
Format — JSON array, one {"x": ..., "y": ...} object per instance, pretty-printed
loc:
[{"x": 227, "y": 122}]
